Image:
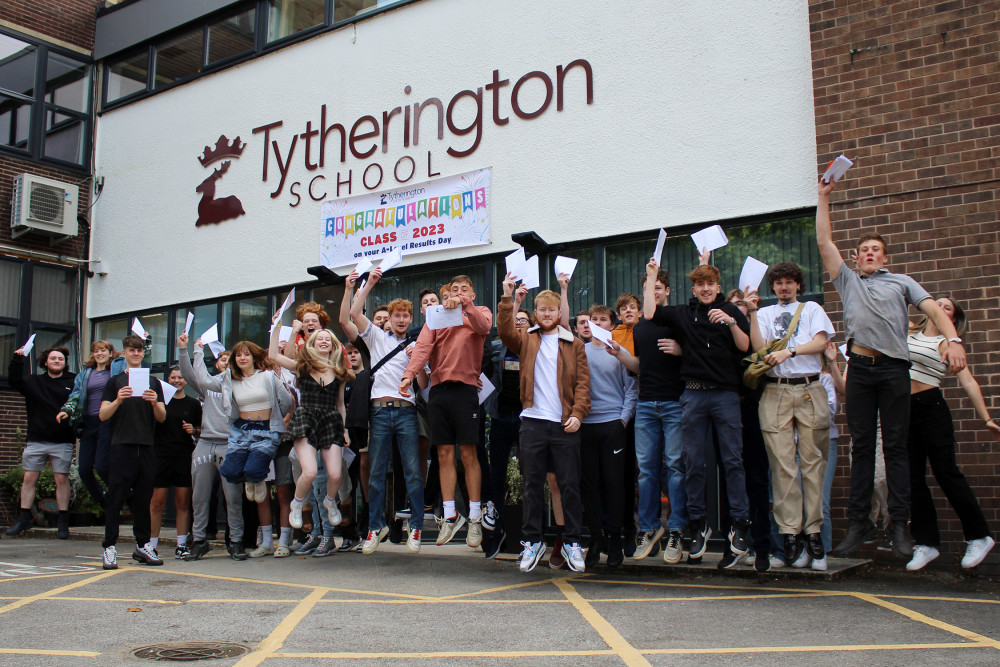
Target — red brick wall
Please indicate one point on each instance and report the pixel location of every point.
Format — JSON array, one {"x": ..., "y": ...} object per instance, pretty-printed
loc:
[
  {"x": 908, "y": 90},
  {"x": 68, "y": 20}
]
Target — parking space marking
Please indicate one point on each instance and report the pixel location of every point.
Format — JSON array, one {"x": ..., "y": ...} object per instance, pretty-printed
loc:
[
  {"x": 933, "y": 622},
  {"x": 33, "y": 651},
  {"x": 614, "y": 639},
  {"x": 56, "y": 591},
  {"x": 277, "y": 638}
]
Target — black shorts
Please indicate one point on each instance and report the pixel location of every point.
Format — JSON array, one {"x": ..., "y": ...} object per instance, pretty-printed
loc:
[
  {"x": 172, "y": 471},
  {"x": 454, "y": 410}
]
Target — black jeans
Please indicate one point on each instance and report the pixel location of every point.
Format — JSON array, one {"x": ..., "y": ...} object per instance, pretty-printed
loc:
[
  {"x": 503, "y": 434},
  {"x": 879, "y": 390},
  {"x": 539, "y": 437},
  {"x": 95, "y": 447},
  {"x": 602, "y": 462},
  {"x": 932, "y": 437},
  {"x": 132, "y": 470}
]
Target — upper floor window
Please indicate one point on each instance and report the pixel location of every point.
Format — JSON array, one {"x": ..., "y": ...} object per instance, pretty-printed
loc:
[{"x": 44, "y": 102}]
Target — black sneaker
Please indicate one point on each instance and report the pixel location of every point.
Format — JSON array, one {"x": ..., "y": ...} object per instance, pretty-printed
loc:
[
  {"x": 21, "y": 525},
  {"x": 629, "y": 544},
  {"x": 62, "y": 531},
  {"x": 236, "y": 551},
  {"x": 593, "y": 552},
  {"x": 687, "y": 536},
  {"x": 182, "y": 552},
  {"x": 615, "y": 554},
  {"x": 738, "y": 537},
  {"x": 198, "y": 549},
  {"x": 349, "y": 544},
  {"x": 728, "y": 561},
  {"x": 762, "y": 563},
  {"x": 396, "y": 530},
  {"x": 858, "y": 532},
  {"x": 699, "y": 541},
  {"x": 691, "y": 560},
  {"x": 793, "y": 549},
  {"x": 492, "y": 546}
]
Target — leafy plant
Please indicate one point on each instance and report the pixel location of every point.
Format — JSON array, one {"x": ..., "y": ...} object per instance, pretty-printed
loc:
[{"x": 515, "y": 482}]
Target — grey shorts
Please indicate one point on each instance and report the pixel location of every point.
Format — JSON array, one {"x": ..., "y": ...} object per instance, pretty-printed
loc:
[
  {"x": 283, "y": 471},
  {"x": 37, "y": 454}
]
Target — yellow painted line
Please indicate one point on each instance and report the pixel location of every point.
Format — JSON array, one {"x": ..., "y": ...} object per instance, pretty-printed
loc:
[
  {"x": 939, "y": 599},
  {"x": 68, "y": 598},
  {"x": 442, "y": 654},
  {"x": 933, "y": 622},
  {"x": 274, "y": 641},
  {"x": 498, "y": 589},
  {"x": 49, "y": 576},
  {"x": 702, "y": 598},
  {"x": 251, "y": 600},
  {"x": 809, "y": 649},
  {"x": 56, "y": 591},
  {"x": 31, "y": 651},
  {"x": 628, "y": 653},
  {"x": 715, "y": 587}
]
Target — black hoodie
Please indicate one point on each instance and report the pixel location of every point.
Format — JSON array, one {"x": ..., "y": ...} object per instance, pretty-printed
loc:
[
  {"x": 43, "y": 399},
  {"x": 710, "y": 355}
]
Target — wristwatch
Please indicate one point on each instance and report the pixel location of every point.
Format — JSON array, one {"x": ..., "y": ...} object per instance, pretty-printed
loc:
[
  {"x": 956, "y": 339},
  {"x": 792, "y": 350}
]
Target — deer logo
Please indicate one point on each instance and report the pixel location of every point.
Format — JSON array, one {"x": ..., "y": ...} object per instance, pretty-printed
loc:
[{"x": 210, "y": 209}]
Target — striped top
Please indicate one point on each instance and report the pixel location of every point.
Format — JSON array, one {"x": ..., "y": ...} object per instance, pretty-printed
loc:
[{"x": 925, "y": 357}]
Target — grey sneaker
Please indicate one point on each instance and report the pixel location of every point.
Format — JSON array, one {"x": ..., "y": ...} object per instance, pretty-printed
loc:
[
  {"x": 648, "y": 543},
  {"x": 326, "y": 547},
  {"x": 308, "y": 546},
  {"x": 110, "y": 558},
  {"x": 674, "y": 551}
]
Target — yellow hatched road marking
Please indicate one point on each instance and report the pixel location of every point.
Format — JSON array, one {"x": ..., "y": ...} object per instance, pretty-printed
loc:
[
  {"x": 809, "y": 649},
  {"x": 934, "y": 598},
  {"x": 933, "y": 622},
  {"x": 56, "y": 591},
  {"x": 441, "y": 654},
  {"x": 49, "y": 576},
  {"x": 32, "y": 651},
  {"x": 274, "y": 641},
  {"x": 628, "y": 653},
  {"x": 498, "y": 589}
]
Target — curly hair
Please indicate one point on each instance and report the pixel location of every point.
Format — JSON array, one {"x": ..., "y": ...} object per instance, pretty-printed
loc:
[
  {"x": 785, "y": 270},
  {"x": 313, "y": 307}
]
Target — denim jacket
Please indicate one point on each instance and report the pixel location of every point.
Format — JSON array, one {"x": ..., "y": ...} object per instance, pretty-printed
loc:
[{"x": 77, "y": 401}]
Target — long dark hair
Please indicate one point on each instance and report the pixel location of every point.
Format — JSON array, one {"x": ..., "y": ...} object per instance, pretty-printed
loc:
[
  {"x": 259, "y": 357},
  {"x": 961, "y": 323}
]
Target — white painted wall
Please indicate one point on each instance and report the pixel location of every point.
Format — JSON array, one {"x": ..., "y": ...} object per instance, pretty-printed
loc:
[{"x": 702, "y": 111}]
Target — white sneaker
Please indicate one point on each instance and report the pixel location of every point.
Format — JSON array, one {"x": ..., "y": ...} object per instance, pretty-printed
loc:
[
  {"x": 111, "y": 558},
  {"x": 976, "y": 551},
  {"x": 251, "y": 490},
  {"x": 374, "y": 539},
  {"x": 261, "y": 493},
  {"x": 573, "y": 553},
  {"x": 449, "y": 528},
  {"x": 413, "y": 541},
  {"x": 474, "y": 536},
  {"x": 803, "y": 560},
  {"x": 261, "y": 551},
  {"x": 531, "y": 554},
  {"x": 295, "y": 513},
  {"x": 819, "y": 564},
  {"x": 776, "y": 562},
  {"x": 332, "y": 511},
  {"x": 921, "y": 556}
]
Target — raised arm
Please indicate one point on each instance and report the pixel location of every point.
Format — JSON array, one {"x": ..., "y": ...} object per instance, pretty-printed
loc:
[
  {"x": 274, "y": 349},
  {"x": 648, "y": 290},
  {"x": 563, "y": 301},
  {"x": 205, "y": 381},
  {"x": 828, "y": 250},
  {"x": 752, "y": 300},
  {"x": 184, "y": 361},
  {"x": 358, "y": 305},
  {"x": 346, "y": 309}
]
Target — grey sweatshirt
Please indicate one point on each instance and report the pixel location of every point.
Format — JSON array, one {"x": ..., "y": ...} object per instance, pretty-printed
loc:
[
  {"x": 613, "y": 390},
  {"x": 214, "y": 419}
]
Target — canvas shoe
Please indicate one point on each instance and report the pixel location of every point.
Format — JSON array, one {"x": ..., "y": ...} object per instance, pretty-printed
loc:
[
  {"x": 413, "y": 541},
  {"x": 333, "y": 512},
  {"x": 448, "y": 529},
  {"x": 648, "y": 543},
  {"x": 373, "y": 539},
  {"x": 573, "y": 553},
  {"x": 977, "y": 551},
  {"x": 110, "y": 558},
  {"x": 921, "y": 556},
  {"x": 474, "y": 536},
  {"x": 531, "y": 554},
  {"x": 675, "y": 548}
]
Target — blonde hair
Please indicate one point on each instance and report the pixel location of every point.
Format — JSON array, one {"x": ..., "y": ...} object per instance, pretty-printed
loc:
[
  {"x": 549, "y": 298},
  {"x": 310, "y": 359}
]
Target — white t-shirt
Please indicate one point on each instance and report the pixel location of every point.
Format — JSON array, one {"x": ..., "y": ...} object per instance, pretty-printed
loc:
[
  {"x": 381, "y": 343},
  {"x": 773, "y": 322},
  {"x": 545, "y": 396}
]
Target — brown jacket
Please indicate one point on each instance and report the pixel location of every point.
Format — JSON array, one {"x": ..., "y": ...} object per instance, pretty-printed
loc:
[{"x": 574, "y": 373}]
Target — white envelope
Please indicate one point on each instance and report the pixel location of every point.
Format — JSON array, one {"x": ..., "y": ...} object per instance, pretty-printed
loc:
[
  {"x": 565, "y": 265},
  {"x": 394, "y": 258},
  {"x": 752, "y": 274},
  {"x": 190, "y": 321},
  {"x": 600, "y": 334},
  {"x": 138, "y": 379},
  {"x": 211, "y": 335},
  {"x": 137, "y": 329},
  {"x": 531, "y": 276},
  {"x": 515, "y": 262},
  {"x": 837, "y": 169},
  {"x": 487, "y": 389},
  {"x": 661, "y": 240},
  {"x": 710, "y": 238},
  {"x": 29, "y": 344},
  {"x": 439, "y": 317},
  {"x": 168, "y": 390}
]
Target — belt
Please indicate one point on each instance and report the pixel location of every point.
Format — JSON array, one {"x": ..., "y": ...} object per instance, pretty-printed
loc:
[
  {"x": 702, "y": 386},
  {"x": 397, "y": 403},
  {"x": 808, "y": 379}
]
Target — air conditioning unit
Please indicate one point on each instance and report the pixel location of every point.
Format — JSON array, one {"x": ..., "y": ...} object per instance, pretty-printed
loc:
[{"x": 44, "y": 206}]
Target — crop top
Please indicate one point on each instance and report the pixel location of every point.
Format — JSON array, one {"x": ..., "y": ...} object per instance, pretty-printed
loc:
[
  {"x": 251, "y": 392},
  {"x": 925, "y": 359}
]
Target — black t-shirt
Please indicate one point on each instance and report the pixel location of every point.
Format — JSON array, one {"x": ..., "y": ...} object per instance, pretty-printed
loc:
[
  {"x": 171, "y": 439},
  {"x": 660, "y": 373},
  {"x": 510, "y": 382},
  {"x": 133, "y": 423}
]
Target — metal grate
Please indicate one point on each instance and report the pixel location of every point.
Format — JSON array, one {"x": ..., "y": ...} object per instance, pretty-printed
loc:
[
  {"x": 191, "y": 651},
  {"x": 45, "y": 203}
]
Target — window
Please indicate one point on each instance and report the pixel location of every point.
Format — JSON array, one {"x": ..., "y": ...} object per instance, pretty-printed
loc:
[
  {"x": 44, "y": 102},
  {"x": 155, "y": 325},
  {"x": 287, "y": 17},
  {"x": 231, "y": 36},
  {"x": 245, "y": 319},
  {"x": 127, "y": 76},
  {"x": 179, "y": 58},
  {"x": 112, "y": 331}
]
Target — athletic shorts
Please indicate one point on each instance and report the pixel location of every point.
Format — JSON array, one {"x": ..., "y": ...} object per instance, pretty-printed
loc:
[
  {"x": 172, "y": 471},
  {"x": 453, "y": 409},
  {"x": 37, "y": 454},
  {"x": 283, "y": 470}
]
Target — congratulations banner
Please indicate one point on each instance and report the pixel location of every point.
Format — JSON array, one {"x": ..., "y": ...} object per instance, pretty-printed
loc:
[{"x": 451, "y": 212}]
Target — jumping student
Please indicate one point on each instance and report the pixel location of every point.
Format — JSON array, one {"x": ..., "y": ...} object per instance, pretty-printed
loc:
[{"x": 555, "y": 393}]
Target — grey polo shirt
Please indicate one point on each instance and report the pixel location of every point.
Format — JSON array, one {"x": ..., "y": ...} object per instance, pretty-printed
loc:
[{"x": 875, "y": 308}]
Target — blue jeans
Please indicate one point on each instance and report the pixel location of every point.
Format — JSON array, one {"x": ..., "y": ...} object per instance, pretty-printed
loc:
[
  {"x": 401, "y": 423},
  {"x": 251, "y": 449},
  {"x": 321, "y": 518},
  {"x": 703, "y": 408},
  {"x": 658, "y": 443}
]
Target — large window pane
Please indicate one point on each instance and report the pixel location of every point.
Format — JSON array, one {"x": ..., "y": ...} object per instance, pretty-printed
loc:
[
  {"x": 64, "y": 139},
  {"x": 204, "y": 317},
  {"x": 47, "y": 339},
  {"x": 246, "y": 319},
  {"x": 287, "y": 17},
  {"x": 67, "y": 83},
  {"x": 53, "y": 295},
  {"x": 178, "y": 58},
  {"x": 15, "y": 122},
  {"x": 17, "y": 66},
  {"x": 10, "y": 290},
  {"x": 128, "y": 76},
  {"x": 231, "y": 36},
  {"x": 156, "y": 325},
  {"x": 112, "y": 331}
]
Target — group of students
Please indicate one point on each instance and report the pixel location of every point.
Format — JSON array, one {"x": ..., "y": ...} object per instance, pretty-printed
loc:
[{"x": 609, "y": 426}]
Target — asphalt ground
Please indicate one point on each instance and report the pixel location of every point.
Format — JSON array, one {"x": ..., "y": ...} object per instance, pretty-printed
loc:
[{"x": 450, "y": 606}]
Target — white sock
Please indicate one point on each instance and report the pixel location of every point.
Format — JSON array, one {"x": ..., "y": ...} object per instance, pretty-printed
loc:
[
  {"x": 298, "y": 503},
  {"x": 475, "y": 510},
  {"x": 266, "y": 536},
  {"x": 286, "y": 535},
  {"x": 182, "y": 540},
  {"x": 449, "y": 510},
  {"x": 153, "y": 542}
]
